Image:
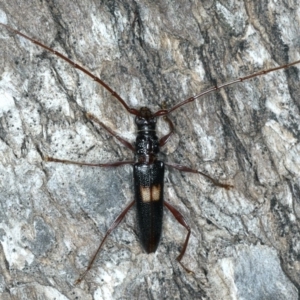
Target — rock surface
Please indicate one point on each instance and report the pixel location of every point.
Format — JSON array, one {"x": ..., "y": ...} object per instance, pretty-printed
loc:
[{"x": 245, "y": 243}]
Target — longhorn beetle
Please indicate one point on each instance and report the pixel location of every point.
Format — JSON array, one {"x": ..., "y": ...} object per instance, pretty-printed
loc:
[{"x": 148, "y": 170}]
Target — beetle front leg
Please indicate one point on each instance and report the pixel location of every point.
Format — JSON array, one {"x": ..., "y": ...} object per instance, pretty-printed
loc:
[
  {"x": 165, "y": 138},
  {"x": 114, "y": 134}
]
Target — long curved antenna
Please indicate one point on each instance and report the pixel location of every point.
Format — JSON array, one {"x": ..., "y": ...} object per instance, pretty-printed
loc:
[
  {"x": 75, "y": 65},
  {"x": 164, "y": 112},
  {"x": 134, "y": 111}
]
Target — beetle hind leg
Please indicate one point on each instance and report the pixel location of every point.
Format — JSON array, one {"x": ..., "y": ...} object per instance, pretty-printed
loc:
[
  {"x": 110, "y": 229},
  {"x": 179, "y": 217}
]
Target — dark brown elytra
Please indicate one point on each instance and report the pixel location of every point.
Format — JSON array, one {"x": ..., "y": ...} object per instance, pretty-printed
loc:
[{"x": 146, "y": 149}]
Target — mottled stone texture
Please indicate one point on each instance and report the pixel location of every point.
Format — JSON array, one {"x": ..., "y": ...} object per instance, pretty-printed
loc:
[{"x": 245, "y": 243}]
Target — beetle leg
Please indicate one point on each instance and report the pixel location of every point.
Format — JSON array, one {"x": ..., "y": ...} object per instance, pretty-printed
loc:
[
  {"x": 120, "y": 139},
  {"x": 106, "y": 165},
  {"x": 110, "y": 229},
  {"x": 179, "y": 217},
  {"x": 187, "y": 169},
  {"x": 165, "y": 138}
]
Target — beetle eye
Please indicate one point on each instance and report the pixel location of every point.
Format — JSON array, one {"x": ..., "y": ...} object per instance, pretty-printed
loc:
[{"x": 140, "y": 120}]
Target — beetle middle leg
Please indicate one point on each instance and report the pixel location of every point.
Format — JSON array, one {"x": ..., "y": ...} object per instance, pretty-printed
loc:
[
  {"x": 164, "y": 140},
  {"x": 190, "y": 170}
]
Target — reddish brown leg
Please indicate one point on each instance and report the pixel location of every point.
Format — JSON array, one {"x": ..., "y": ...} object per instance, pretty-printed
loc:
[
  {"x": 187, "y": 169},
  {"x": 110, "y": 229},
  {"x": 123, "y": 141},
  {"x": 165, "y": 138},
  {"x": 112, "y": 164},
  {"x": 118, "y": 219},
  {"x": 179, "y": 217}
]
